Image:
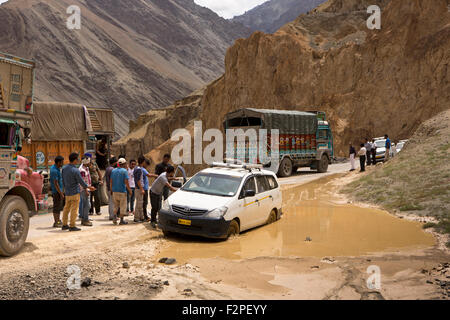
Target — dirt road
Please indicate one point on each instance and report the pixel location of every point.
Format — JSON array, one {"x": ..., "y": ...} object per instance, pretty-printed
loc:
[{"x": 320, "y": 249}]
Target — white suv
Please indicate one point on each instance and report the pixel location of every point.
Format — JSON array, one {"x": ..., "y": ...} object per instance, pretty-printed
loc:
[{"x": 221, "y": 201}]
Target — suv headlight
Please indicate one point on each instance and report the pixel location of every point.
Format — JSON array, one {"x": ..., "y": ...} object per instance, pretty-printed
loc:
[
  {"x": 217, "y": 213},
  {"x": 165, "y": 205}
]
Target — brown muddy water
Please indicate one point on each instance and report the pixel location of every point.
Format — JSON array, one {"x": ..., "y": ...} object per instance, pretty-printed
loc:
[{"x": 314, "y": 224}]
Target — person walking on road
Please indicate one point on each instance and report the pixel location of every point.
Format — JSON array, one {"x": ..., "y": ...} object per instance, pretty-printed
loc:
[
  {"x": 374, "y": 152},
  {"x": 352, "y": 153},
  {"x": 138, "y": 176},
  {"x": 56, "y": 184},
  {"x": 156, "y": 192},
  {"x": 162, "y": 167},
  {"x": 146, "y": 176},
  {"x": 362, "y": 157},
  {"x": 368, "y": 146},
  {"x": 388, "y": 148},
  {"x": 85, "y": 193},
  {"x": 112, "y": 165},
  {"x": 131, "y": 196},
  {"x": 71, "y": 183},
  {"x": 97, "y": 181},
  {"x": 119, "y": 188}
]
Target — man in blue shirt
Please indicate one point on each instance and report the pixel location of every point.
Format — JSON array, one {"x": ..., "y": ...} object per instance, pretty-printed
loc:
[
  {"x": 56, "y": 184},
  {"x": 71, "y": 182},
  {"x": 119, "y": 187},
  {"x": 388, "y": 147}
]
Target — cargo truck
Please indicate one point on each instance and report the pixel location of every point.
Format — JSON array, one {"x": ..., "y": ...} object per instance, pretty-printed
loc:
[
  {"x": 21, "y": 188},
  {"x": 305, "y": 138}
]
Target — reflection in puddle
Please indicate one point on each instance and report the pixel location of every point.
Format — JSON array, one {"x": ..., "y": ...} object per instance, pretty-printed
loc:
[{"x": 334, "y": 230}]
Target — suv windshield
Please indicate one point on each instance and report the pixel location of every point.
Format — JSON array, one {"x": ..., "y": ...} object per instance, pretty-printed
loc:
[{"x": 213, "y": 184}]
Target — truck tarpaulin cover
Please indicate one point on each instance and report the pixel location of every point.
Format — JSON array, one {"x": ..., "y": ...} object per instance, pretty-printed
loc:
[
  {"x": 56, "y": 121},
  {"x": 288, "y": 122}
]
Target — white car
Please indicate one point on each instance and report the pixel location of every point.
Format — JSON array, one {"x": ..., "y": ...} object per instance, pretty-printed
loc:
[{"x": 221, "y": 201}]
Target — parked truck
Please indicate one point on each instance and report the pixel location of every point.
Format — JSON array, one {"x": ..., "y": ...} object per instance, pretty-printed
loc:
[
  {"x": 305, "y": 138},
  {"x": 21, "y": 193}
]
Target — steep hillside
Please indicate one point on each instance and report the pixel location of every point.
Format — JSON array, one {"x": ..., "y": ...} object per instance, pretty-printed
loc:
[
  {"x": 273, "y": 14},
  {"x": 370, "y": 82},
  {"x": 132, "y": 55}
]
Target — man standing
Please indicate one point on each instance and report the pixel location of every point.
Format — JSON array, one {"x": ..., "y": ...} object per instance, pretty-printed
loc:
[
  {"x": 112, "y": 165},
  {"x": 96, "y": 180},
  {"x": 368, "y": 147},
  {"x": 162, "y": 167},
  {"x": 101, "y": 152},
  {"x": 156, "y": 192},
  {"x": 85, "y": 203},
  {"x": 362, "y": 157},
  {"x": 146, "y": 175},
  {"x": 374, "y": 152},
  {"x": 119, "y": 188},
  {"x": 352, "y": 152},
  {"x": 388, "y": 147},
  {"x": 56, "y": 184},
  {"x": 71, "y": 182},
  {"x": 131, "y": 197},
  {"x": 138, "y": 177}
]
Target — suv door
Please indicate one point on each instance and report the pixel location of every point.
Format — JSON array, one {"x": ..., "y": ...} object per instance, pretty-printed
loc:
[
  {"x": 265, "y": 199},
  {"x": 248, "y": 205}
]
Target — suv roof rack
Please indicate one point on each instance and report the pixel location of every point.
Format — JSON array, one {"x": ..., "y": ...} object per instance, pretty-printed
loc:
[{"x": 237, "y": 164}]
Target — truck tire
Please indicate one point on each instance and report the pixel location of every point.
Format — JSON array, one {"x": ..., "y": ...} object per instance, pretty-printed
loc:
[
  {"x": 322, "y": 165},
  {"x": 285, "y": 169},
  {"x": 14, "y": 225}
]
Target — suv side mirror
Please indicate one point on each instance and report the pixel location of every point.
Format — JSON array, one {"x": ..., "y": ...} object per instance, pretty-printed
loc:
[
  {"x": 249, "y": 193},
  {"x": 177, "y": 184}
]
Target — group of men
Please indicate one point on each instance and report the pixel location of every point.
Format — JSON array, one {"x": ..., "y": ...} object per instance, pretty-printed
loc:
[
  {"x": 75, "y": 189},
  {"x": 367, "y": 153}
]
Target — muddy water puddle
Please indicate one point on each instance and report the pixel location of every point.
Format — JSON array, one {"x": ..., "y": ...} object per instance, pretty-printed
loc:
[{"x": 313, "y": 224}]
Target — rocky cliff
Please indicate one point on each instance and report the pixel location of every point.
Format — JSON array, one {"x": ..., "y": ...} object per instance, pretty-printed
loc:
[
  {"x": 273, "y": 14},
  {"x": 370, "y": 82},
  {"x": 131, "y": 56}
]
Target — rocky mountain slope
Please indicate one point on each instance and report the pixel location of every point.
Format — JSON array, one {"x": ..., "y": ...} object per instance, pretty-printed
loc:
[
  {"x": 370, "y": 82},
  {"x": 273, "y": 14},
  {"x": 131, "y": 56}
]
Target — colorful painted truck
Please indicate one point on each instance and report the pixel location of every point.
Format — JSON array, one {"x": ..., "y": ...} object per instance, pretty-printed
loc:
[
  {"x": 21, "y": 193},
  {"x": 305, "y": 138}
]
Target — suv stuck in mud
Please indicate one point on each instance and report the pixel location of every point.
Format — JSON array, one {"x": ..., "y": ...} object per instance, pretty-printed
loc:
[{"x": 222, "y": 201}]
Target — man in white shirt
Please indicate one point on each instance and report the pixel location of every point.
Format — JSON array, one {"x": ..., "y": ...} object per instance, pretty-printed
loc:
[
  {"x": 362, "y": 157},
  {"x": 131, "y": 197}
]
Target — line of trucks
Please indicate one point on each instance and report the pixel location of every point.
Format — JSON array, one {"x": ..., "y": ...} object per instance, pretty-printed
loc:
[{"x": 33, "y": 133}]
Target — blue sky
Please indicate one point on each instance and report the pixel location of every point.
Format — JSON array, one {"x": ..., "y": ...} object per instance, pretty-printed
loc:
[{"x": 225, "y": 8}]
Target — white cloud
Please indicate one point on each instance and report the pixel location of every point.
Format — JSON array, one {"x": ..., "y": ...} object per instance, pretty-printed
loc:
[
  {"x": 1, "y": 1},
  {"x": 229, "y": 8}
]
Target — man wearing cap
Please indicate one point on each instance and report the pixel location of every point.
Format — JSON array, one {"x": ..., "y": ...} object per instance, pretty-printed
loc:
[
  {"x": 85, "y": 204},
  {"x": 119, "y": 187}
]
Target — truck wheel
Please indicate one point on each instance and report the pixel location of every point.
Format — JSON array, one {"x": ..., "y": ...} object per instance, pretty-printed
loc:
[
  {"x": 233, "y": 229},
  {"x": 322, "y": 166},
  {"x": 14, "y": 224},
  {"x": 285, "y": 169}
]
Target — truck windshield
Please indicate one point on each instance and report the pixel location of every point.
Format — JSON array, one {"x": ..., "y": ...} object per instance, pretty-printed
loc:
[
  {"x": 7, "y": 134},
  {"x": 213, "y": 184}
]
